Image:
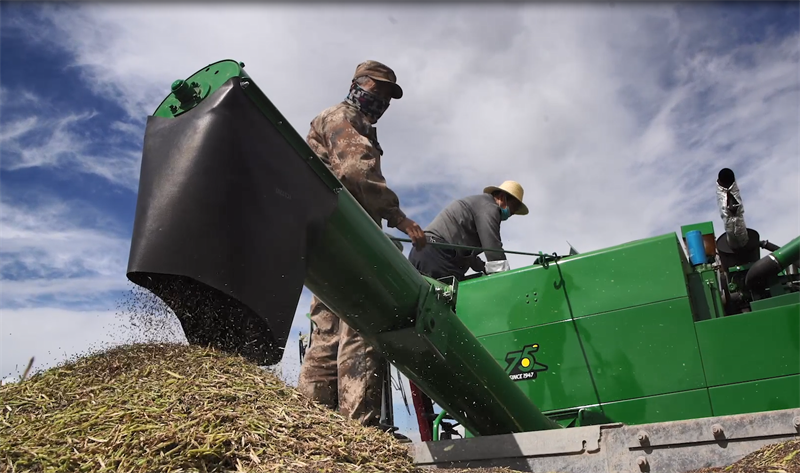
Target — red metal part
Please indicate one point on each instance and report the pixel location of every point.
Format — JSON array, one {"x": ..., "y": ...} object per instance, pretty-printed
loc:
[{"x": 423, "y": 407}]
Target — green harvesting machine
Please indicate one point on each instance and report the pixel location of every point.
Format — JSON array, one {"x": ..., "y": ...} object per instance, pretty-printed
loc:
[{"x": 664, "y": 354}]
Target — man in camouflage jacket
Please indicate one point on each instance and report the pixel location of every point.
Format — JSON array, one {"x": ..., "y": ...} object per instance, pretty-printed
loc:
[{"x": 340, "y": 368}]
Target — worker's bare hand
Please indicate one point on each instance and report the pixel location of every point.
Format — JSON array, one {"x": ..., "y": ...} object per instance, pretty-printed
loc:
[{"x": 410, "y": 228}]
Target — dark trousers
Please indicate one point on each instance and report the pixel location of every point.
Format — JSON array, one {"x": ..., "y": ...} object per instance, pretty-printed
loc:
[{"x": 438, "y": 263}]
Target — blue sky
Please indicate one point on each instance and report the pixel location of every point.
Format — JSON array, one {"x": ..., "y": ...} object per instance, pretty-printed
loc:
[{"x": 615, "y": 120}]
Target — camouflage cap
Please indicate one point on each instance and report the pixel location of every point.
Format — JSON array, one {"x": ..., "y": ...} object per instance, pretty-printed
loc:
[{"x": 378, "y": 71}]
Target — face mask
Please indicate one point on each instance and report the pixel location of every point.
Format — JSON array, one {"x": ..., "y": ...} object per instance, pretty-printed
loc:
[
  {"x": 504, "y": 213},
  {"x": 370, "y": 104}
]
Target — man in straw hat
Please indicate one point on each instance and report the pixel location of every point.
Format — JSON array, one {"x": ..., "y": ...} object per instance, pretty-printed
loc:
[
  {"x": 471, "y": 221},
  {"x": 340, "y": 368}
]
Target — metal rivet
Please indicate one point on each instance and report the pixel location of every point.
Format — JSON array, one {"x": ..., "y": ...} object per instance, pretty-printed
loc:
[
  {"x": 642, "y": 436},
  {"x": 642, "y": 462},
  {"x": 716, "y": 429},
  {"x": 796, "y": 421}
]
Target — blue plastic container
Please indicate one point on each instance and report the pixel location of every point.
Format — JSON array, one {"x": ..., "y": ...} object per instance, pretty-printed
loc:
[{"x": 697, "y": 251}]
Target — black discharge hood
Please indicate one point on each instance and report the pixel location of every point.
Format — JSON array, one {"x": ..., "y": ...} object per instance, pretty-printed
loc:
[{"x": 227, "y": 211}]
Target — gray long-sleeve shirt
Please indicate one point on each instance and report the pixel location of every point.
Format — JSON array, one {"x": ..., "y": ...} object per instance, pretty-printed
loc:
[{"x": 471, "y": 221}]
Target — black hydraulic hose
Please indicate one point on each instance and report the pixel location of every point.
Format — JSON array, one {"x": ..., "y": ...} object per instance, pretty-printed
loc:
[
  {"x": 769, "y": 266},
  {"x": 769, "y": 246},
  {"x": 758, "y": 275}
]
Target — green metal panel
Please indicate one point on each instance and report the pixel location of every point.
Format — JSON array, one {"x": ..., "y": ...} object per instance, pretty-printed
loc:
[
  {"x": 663, "y": 408},
  {"x": 512, "y": 300},
  {"x": 704, "y": 293},
  {"x": 564, "y": 380},
  {"x": 636, "y": 273},
  {"x": 643, "y": 351},
  {"x": 777, "y": 301},
  {"x": 751, "y": 346},
  {"x": 441, "y": 357},
  {"x": 202, "y": 83},
  {"x": 706, "y": 228},
  {"x": 579, "y": 416},
  {"x": 755, "y": 396}
]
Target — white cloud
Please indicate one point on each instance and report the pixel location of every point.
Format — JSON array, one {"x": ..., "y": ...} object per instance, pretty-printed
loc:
[
  {"x": 49, "y": 336},
  {"x": 598, "y": 111},
  {"x": 37, "y": 136},
  {"x": 17, "y": 128},
  {"x": 19, "y": 98},
  {"x": 66, "y": 290},
  {"x": 59, "y": 249},
  {"x": 130, "y": 129}
]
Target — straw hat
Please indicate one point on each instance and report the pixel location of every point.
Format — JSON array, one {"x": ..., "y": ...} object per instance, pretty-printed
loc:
[{"x": 513, "y": 188}]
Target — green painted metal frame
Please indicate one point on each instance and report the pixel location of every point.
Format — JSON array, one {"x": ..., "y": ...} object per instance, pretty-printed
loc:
[
  {"x": 705, "y": 228},
  {"x": 638, "y": 335},
  {"x": 198, "y": 86}
]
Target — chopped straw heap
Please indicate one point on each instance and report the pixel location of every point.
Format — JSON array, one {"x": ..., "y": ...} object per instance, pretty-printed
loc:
[
  {"x": 153, "y": 405},
  {"x": 783, "y": 457},
  {"x": 178, "y": 408}
]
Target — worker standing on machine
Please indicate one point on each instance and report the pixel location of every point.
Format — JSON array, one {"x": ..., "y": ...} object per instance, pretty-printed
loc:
[
  {"x": 340, "y": 368},
  {"x": 471, "y": 221}
]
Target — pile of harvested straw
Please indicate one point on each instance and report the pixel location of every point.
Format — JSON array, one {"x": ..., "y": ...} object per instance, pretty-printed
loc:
[
  {"x": 179, "y": 408},
  {"x": 781, "y": 457}
]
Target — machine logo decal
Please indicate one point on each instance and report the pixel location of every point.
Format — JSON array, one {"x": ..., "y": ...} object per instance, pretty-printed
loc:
[{"x": 522, "y": 365}]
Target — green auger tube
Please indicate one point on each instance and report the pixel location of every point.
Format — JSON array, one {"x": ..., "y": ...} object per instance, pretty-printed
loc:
[
  {"x": 759, "y": 274},
  {"x": 232, "y": 199}
]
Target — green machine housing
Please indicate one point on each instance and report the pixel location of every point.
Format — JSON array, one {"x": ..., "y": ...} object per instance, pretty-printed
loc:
[
  {"x": 643, "y": 332},
  {"x": 636, "y": 334}
]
